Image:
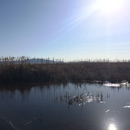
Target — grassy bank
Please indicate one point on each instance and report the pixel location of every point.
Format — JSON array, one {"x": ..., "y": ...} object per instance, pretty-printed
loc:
[{"x": 75, "y": 71}]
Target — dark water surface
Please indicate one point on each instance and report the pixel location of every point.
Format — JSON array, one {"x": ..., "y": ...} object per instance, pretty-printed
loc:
[{"x": 65, "y": 107}]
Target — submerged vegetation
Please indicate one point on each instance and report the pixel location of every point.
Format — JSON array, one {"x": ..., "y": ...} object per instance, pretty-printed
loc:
[{"x": 45, "y": 70}]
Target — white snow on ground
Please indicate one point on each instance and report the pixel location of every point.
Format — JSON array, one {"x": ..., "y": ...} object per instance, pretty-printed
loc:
[
  {"x": 112, "y": 84},
  {"x": 122, "y": 84},
  {"x": 126, "y": 107}
]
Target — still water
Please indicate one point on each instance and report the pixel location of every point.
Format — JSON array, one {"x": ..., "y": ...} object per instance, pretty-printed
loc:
[{"x": 65, "y": 107}]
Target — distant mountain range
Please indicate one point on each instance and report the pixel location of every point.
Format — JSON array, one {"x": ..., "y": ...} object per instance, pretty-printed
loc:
[{"x": 33, "y": 61}]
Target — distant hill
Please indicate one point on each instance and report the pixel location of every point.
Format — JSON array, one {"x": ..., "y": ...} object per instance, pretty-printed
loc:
[{"x": 32, "y": 61}]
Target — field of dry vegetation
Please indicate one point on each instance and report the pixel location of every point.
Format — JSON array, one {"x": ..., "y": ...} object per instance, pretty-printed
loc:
[{"x": 21, "y": 70}]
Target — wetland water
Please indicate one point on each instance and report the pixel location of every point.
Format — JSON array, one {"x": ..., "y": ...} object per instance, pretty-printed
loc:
[{"x": 65, "y": 107}]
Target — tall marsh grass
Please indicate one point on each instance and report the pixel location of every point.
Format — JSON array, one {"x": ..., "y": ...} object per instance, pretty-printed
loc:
[{"x": 17, "y": 69}]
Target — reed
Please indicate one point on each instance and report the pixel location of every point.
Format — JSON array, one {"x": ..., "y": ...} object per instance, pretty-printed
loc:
[{"x": 24, "y": 69}]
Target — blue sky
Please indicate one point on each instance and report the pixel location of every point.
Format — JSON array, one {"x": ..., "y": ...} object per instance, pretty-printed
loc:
[{"x": 69, "y": 29}]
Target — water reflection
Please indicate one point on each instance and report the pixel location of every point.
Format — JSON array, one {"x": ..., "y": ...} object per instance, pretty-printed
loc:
[
  {"x": 112, "y": 127},
  {"x": 81, "y": 99},
  {"x": 60, "y": 93},
  {"x": 60, "y": 106}
]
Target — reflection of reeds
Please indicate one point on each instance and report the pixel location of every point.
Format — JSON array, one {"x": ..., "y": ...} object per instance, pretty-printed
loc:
[{"x": 80, "y": 99}]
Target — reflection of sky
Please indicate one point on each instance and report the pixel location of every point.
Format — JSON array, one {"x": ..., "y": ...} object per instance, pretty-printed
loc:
[
  {"x": 21, "y": 104},
  {"x": 63, "y": 29}
]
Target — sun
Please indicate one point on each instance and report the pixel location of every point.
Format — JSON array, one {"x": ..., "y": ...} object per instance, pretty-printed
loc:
[{"x": 108, "y": 5}]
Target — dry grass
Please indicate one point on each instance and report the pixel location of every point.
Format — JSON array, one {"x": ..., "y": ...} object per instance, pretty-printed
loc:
[{"x": 102, "y": 70}]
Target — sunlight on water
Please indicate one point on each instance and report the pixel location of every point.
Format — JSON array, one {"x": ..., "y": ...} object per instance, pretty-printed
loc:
[{"x": 112, "y": 127}]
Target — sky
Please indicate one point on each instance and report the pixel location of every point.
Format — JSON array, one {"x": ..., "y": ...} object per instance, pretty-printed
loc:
[{"x": 67, "y": 29}]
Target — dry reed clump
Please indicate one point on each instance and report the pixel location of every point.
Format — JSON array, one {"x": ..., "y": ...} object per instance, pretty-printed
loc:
[{"x": 21, "y": 69}]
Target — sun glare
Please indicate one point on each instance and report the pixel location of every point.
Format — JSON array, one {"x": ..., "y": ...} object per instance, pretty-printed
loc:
[
  {"x": 108, "y": 5},
  {"x": 112, "y": 127}
]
